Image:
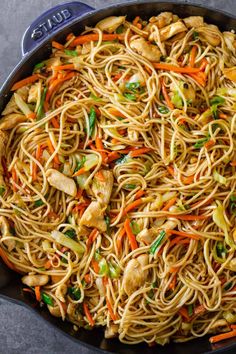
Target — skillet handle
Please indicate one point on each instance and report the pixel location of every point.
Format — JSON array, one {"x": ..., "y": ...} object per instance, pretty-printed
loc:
[{"x": 51, "y": 22}]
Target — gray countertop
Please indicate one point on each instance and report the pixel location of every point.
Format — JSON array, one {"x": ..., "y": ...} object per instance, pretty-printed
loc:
[{"x": 20, "y": 330}]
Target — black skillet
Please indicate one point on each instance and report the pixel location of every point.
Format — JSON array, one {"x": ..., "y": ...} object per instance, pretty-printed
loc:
[{"x": 56, "y": 24}]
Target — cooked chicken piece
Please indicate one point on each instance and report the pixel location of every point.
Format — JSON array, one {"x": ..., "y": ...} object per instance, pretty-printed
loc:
[
  {"x": 133, "y": 135},
  {"x": 193, "y": 21},
  {"x": 94, "y": 216},
  {"x": 61, "y": 182},
  {"x": 211, "y": 34},
  {"x": 102, "y": 189},
  {"x": 35, "y": 279},
  {"x": 230, "y": 38},
  {"x": 12, "y": 120},
  {"x": 147, "y": 50},
  {"x": 110, "y": 24},
  {"x": 60, "y": 292},
  {"x": 134, "y": 275},
  {"x": 162, "y": 20},
  {"x": 171, "y": 30},
  {"x": 111, "y": 331},
  {"x": 33, "y": 92},
  {"x": 54, "y": 310},
  {"x": 230, "y": 73},
  {"x": 147, "y": 236},
  {"x": 5, "y": 231}
]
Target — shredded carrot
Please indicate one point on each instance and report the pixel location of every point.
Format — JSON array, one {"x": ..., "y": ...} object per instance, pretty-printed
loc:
[
  {"x": 114, "y": 141},
  {"x": 92, "y": 237},
  {"x": 88, "y": 315},
  {"x": 51, "y": 149},
  {"x": 95, "y": 265},
  {"x": 112, "y": 156},
  {"x": 169, "y": 204},
  {"x": 139, "y": 194},
  {"x": 55, "y": 83},
  {"x": 24, "y": 82},
  {"x": 48, "y": 264},
  {"x": 57, "y": 45},
  {"x": 131, "y": 237},
  {"x": 233, "y": 163},
  {"x": 37, "y": 293},
  {"x": 100, "y": 148},
  {"x": 187, "y": 180},
  {"x": 113, "y": 316},
  {"x": 198, "y": 78},
  {"x": 133, "y": 205},
  {"x": 100, "y": 176},
  {"x": 87, "y": 278},
  {"x": 119, "y": 240},
  {"x": 171, "y": 170},
  {"x": 204, "y": 63},
  {"x": 116, "y": 113},
  {"x": 139, "y": 152},
  {"x": 189, "y": 217},
  {"x": 222, "y": 336},
  {"x": 15, "y": 179},
  {"x": 199, "y": 309},
  {"x": 39, "y": 152},
  {"x": 233, "y": 326},
  {"x": 174, "y": 269},
  {"x": 117, "y": 77},
  {"x": 176, "y": 69},
  {"x": 173, "y": 282},
  {"x": 121, "y": 131},
  {"x": 81, "y": 171},
  {"x": 95, "y": 37},
  {"x": 64, "y": 67},
  {"x": 183, "y": 234},
  {"x": 31, "y": 115},
  {"x": 223, "y": 116},
  {"x": 184, "y": 313},
  {"x": 179, "y": 241},
  {"x": 55, "y": 123},
  {"x": 105, "y": 281},
  {"x": 165, "y": 94},
  {"x": 192, "y": 57},
  {"x": 6, "y": 260},
  {"x": 209, "y": 144},
  {"x": 135, "y": 21}
]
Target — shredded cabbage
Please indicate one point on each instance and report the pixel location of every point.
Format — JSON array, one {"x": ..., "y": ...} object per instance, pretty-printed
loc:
[{"x": 219, "y": 178}]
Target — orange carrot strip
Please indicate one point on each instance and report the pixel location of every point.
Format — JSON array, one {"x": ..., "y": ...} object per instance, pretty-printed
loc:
[
  {"x": 15, "y": 179},
  {"x": 112, "y": 156},
  {"x": 114, "y": 141},
  {"x": 139, "y": 152},
  {"x": 48, "y": 264},
  {"x": 113, "y": 316},
  {"x": 121, "y": 131},
  {"x": 166, "y": 96},
  {"x": 199, "y": 309},
  {"x": 57, "y": 45},
  {"x": 95, "y": 266},
  {"x": 37, "y": 293},
  {"x": 135, "y": 21},
  {"x": 183, "y": 234},
  {"x": 119, "y": 240},
  {"x": 87, "y": 278},
  {"x": 203, "y": 64},
  {"x": 223, "y": 336},
  {"x": 233, "y": 163},
  {"x": 187, "y": 180},
  {"x": 131, "y": 237},
  {"x": 31, "y": 115},
  {"x": 55, "y": 123},
  {"x": 171, "y": 170},
  {"x": 176, "y": 69},
  {"x": 105, "y": 281},
  {"x": 189, "y": 217},
  {"x": 199, "y": 79},
  {"x": 169, "y": 204},
  {"x": 94, "y": 37},
  {"x": 116, "y": 113},
  {"x": 139, "y": 194},
  {"x": 34, "y": 171},
  {"x": 100, "y": 148},
  {"x": 223, "y": 116},
  {"x": 24, "y": 82},
  {"x": 92, "y": 237},
  {"x": 178, "y": 241},
  {"x": 192, "y": 57},
  {"x": 6, "y": 260},
  {"x": 184, "y": 313},
  {"x": 100, "y": 176},
  {"x": 173, "y": 282},
  {"x": 81, "y": 171},
  {"x": 209, "y": 144},
  {"x": 64, "y": 67},
  {"x": 133, "y": 205},
  {"x": 55, "y": 83},
  {"x": 51, "y": 149},
  {"x": 88, "y": 315},
  {"x": 233, "y": 326}
]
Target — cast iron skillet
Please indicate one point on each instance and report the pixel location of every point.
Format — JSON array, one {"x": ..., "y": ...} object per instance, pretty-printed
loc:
[{"x": 56, "y": 24}]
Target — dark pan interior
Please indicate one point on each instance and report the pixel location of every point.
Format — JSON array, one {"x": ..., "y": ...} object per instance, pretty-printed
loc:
[{"x": 10, "y": 286}]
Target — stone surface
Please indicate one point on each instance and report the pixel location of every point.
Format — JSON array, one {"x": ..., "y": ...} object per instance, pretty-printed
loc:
[{"x": 20, "y": 330}]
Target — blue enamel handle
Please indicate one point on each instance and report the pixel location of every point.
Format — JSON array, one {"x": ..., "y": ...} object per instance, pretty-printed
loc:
[{"x": 51, "y": 22}]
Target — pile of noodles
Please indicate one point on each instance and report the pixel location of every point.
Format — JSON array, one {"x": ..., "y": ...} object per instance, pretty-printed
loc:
[{"x": 186, "y": 286}]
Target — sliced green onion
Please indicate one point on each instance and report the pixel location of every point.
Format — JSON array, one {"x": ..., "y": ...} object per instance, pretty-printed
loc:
[
  {"x": 135, "y": 227},
  {"x": 39, "y": 66},
  {"x": 64, "y": 259},
  {"x": 97, "y": 255},
  {"x": 228, "y": 286},
  {"x": 176, "y": 99},
  {"x": 67, "y": 242},
  {"x": 190, "y": 310},
  {"x": 132, "y": 86},
  {"x": 71, "y": 233},
  {"x": 154, "y": 285},
  {"x": 195, "y": 35},
  {"x": 2, "y": 191},
  {"x": 214, "y": 103},
  {"x": 232, "y": 204},
  {"x": 103, "y": 267},
  {"x": 47, "y": 299},
  {"x": 72, "y": 53},
  {"x": 40, "y": 110},
  {"x": 74, "y": 293},
  {"x": 120, "y": 29},
  {"x": 80, "y": 164},
  {"x": 130, "y": 96},
  {"x": 130, "y": 186},
  {"x": 38, "y": 203},
  {"x": 163, "y": 110},
  {"x": 157, "y": 242},
  {"x": 92, "y": 120},
  {"x": 95, "y": 98},
  {"x": 200, "y": 143},
  {"x": 114, "y": 270},
  {"x": 122, "y": 159}
]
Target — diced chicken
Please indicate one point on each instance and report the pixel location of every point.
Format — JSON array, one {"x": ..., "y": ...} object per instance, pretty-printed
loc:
[
  {"x": 110, "y": 24},
  {"x": 102, "y": 189},
  {"x": 54, "y": 310},
  {"x": 171, "y": 30},
  {"x": 211, "y": 34},
  {"x": 35, "y": 280},
  {"x": 5, "y": 231},
  {"x": 12, "y": 120},
  {"x": 61, "y": 182},
  {"x": 134, "y": 275},
  {"x": 94, "y": 216},
  {"x": 162, "y": 20},
  {"x": 193, "y": 21},
  {"x": 111, "y": 331},
  {"x": 147, "y": 236},
  {"x": 230, "y": 73},
  {"x": 60, "y": 292},
  {"x": 147, "y": 50},
  {"x": 230, "y": 38},
  {"x": 33, "y": 92}
]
